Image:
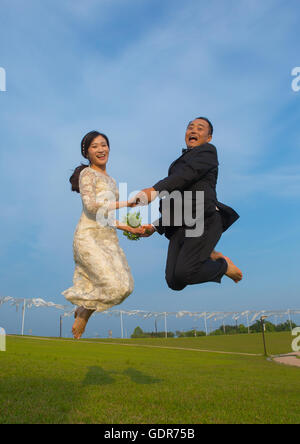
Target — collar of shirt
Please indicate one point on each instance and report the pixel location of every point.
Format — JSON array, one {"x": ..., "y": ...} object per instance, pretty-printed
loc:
[{"x": 186, "y": 150}]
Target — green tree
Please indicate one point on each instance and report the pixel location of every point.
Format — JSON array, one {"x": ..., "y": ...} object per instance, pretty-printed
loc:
[
  {"x": 230, "y": 330},
  {"x": 138, "y": 333},
  {"x": 189, "y": 333},
  {"x": 256, "y": 328},
  {"x": 285, "y": 326}
]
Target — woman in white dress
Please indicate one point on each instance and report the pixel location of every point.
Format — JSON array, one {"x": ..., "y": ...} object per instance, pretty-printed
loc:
[{"x": 102, "y": 276}]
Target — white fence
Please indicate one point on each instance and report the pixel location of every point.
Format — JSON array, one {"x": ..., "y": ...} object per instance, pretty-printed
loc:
[{"x": 247, "y": 317}]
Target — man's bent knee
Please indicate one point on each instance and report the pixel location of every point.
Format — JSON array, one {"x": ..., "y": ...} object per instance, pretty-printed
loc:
[
  {"x": 174, "y": 285},
  {"x": 178, "y": 281}
]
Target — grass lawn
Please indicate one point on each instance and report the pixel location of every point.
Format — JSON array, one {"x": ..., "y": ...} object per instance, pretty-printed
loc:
[
  {"x": 46, "y": 381},
  {"x": 276, "y": 343}
]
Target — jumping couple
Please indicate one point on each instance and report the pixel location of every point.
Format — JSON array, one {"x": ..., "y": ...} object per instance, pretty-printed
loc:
[{"x": 102, "y": 276}]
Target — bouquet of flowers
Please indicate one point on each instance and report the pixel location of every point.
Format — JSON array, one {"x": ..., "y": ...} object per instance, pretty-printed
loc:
[{"x": 134, "y": 220}]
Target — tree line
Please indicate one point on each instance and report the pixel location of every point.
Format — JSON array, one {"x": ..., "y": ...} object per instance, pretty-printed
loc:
[{"x": 222, "y": 330}]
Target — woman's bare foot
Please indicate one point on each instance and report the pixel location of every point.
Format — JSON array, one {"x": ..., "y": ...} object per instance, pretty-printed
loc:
[
  {"x": 78, "y": 327},
  {"x": 78, "y": 311},
  {"x": 233, "y": 272},
  {"x": 216, "y": 255},
  {"x": 81, "y": 316}
]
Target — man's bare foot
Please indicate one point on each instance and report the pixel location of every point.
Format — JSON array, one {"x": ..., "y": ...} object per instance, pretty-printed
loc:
[
  {"x": 216, "y": 255},
  {"x": 233, "y": 272},
  {"x": 81, "y": 316}
]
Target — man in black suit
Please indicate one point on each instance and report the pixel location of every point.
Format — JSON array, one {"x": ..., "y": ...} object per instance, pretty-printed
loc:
[{"x": 191, "y": 255}]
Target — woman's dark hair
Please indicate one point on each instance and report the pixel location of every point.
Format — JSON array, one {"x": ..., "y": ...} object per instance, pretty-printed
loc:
[{"x": 85, "y": 144}]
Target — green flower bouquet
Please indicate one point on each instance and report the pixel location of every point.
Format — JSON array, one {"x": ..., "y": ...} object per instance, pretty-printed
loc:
[{"x": 134, "y": 220}]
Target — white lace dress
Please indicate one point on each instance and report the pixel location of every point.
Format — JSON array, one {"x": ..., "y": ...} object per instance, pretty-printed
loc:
[{"x": 102, "y": 276}]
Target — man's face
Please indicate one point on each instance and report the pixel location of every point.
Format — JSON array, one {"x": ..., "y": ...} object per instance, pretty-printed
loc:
[{"x": 197, "y": 133}]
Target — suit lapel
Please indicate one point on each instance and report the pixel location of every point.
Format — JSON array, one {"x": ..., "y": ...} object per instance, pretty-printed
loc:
[
  {"x": 173, "y": 163},
  {"x": 183, "y": 154}
]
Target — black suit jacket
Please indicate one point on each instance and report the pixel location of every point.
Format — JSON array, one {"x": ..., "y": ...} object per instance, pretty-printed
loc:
[{"x": 195, "y": 170}]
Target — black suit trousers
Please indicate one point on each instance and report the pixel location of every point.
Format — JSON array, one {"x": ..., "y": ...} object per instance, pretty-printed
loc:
[{"x": 189, "y": 259}]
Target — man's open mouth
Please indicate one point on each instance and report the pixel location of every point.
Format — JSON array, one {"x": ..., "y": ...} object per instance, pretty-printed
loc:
[{"x": 191, "y": 138}]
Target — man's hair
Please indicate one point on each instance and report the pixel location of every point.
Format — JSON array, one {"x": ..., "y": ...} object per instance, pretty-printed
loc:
[{"x": 211, "y": 128}]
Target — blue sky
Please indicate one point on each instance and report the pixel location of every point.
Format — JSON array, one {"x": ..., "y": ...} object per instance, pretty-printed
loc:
[{"x": 139, "y": 70}]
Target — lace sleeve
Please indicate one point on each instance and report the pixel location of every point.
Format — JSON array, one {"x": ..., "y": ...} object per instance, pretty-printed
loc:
[{"x": 87, "y": 188}]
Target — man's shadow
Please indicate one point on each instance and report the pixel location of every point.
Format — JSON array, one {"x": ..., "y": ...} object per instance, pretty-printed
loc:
[
  {"x": 98, "y": 376},
  {"x": 139, "y": 377}
]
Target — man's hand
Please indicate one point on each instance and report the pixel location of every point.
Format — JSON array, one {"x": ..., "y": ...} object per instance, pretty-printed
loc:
[
  {"x": 138, "y": 230},
  {"x": 144, "y": 197},
  {"x": 148, "y": 230}
]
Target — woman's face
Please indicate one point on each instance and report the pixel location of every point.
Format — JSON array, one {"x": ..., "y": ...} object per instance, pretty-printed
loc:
[{"x": 98, "y": 152}]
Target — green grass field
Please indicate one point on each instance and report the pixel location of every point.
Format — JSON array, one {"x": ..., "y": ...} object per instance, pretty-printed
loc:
[{"x": 105, "y": 381}]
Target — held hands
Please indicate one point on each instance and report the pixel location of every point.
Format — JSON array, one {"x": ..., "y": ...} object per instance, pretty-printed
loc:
[
  {"x": 133, "y": 230},
  {"x": 144, "y": 197},
  {"x": 143, "y": 231},
  {"x": 148, "y": 230},
  {"x": 137, "y": 230}
]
